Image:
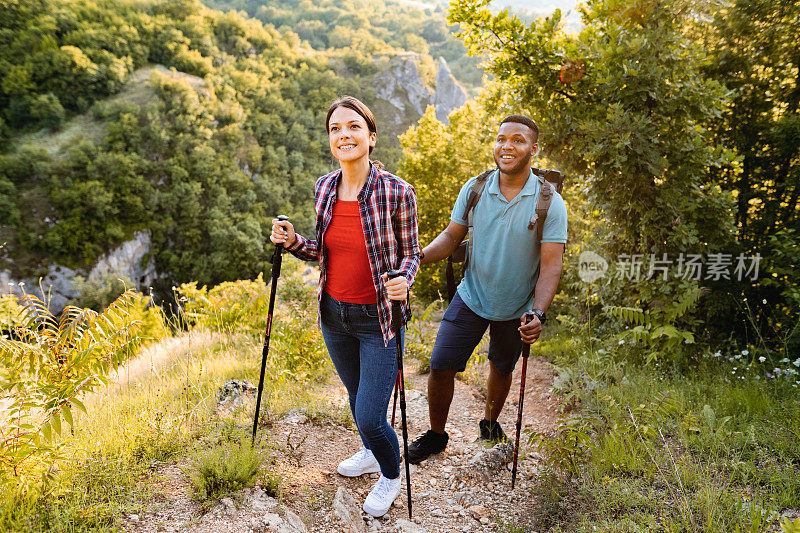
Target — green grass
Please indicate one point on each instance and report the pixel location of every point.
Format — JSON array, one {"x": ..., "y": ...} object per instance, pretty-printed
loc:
[
  {"x": 714, "y": 447},
  {"x": 162, "y": 411}
]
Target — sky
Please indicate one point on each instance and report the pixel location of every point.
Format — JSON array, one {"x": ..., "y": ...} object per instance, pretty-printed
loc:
[
  {"x": 537, "y": 7},
  {"x": 544, "y": 8}
]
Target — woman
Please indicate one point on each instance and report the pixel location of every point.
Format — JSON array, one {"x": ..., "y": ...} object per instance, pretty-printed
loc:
[{"x": 366, "y": 226}]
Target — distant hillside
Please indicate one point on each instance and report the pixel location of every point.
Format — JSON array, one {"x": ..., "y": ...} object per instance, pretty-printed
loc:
[
  {"x": 361, "y": 28},
  {"x": 181, "y": 127}
]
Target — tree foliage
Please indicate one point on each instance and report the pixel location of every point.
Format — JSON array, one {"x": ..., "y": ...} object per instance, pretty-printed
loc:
[
  {"x": 438, "y": 159},
  {"x": 754, "y": 53},
  {"x": 203, "y": 158},
  {"x": 634, "y": 127},
  {"x": 354, "y": 30}
]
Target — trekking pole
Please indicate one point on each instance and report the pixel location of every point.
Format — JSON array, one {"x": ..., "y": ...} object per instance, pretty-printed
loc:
[
  {"x": 394, "y": 402},
  {"x": 526, "y": 351},
  {"x": 396, "y": 319},
  {"x": 276, "y": 272}
]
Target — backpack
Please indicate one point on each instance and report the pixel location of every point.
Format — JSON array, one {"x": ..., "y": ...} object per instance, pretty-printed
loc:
[{"x": 549, "y": 180}]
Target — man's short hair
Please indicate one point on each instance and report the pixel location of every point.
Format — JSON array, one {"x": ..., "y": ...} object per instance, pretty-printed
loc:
[{"x": 527, "y": 121}]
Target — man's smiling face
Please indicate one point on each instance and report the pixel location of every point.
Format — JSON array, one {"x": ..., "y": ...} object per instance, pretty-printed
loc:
[{"x": 514, "y": 147}]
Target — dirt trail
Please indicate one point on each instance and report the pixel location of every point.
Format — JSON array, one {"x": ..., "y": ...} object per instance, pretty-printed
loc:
[{"x": 449, "y": 494}]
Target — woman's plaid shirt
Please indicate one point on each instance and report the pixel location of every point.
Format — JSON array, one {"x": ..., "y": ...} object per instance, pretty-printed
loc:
[{"x": 388, "y": 207}]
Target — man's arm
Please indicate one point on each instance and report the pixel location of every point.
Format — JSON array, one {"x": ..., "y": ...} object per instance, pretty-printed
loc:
[
  {"x": 445, "y": 243},
  {"x": 550, "y": 265}
]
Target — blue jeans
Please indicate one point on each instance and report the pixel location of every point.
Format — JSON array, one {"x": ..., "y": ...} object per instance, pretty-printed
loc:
[{"x": 368, "y": 370}]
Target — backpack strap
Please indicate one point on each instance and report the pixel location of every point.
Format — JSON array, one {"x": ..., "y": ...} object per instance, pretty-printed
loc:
[
  {"x": 475, "y": 194},
  {"x": 550, "y": 182},
  {"x": 469, "y": 210}
]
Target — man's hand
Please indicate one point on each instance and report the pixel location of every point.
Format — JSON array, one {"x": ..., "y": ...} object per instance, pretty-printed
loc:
[
  {"x": 530, "y": 332},
  {"x": 396, "y": 288}
]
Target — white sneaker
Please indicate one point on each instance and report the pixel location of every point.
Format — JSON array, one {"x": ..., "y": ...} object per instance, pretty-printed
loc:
[
  {"x": 363, "y": 462},
  {"x": 382, "y": 495}
]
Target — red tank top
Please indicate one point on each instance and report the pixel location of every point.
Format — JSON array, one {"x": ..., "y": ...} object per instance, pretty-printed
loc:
[{"x": 348, "y": 276}]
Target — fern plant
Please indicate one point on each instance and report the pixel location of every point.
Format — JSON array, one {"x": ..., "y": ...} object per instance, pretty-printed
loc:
[
  {"x": 46, "y": 364},
  {"x": 656, "y": 328}
]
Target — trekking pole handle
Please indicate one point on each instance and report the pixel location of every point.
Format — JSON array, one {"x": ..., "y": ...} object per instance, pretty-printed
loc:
[
  {"x": 395, "y": 304},
  {"x": 282, "y": 218},
  {"x": 394, "y": 274},
  {"x": 526, "y": 348},
  {"x": 279, "y": 247}
]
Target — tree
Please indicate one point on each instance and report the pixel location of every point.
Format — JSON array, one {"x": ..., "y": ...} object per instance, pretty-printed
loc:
[
  {"x": 47, "y": 110},
  {"x": 437, "y": 161}
]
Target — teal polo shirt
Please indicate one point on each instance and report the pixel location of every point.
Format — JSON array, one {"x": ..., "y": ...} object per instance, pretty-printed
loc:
[{"x": 504, "y": 266}]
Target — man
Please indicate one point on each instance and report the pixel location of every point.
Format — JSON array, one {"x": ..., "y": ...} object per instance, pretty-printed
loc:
[{"x": 509, "y": 273}]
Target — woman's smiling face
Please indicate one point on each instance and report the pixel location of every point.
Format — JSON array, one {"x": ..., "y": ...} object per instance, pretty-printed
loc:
[{"x": 349, "y": 136}]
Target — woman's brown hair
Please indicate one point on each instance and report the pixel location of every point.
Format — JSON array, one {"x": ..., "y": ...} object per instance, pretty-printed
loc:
[{"x": 356, "y": 105}]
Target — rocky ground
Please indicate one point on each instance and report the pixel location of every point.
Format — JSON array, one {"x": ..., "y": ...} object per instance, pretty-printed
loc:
[{"x": 466, "y": 488}]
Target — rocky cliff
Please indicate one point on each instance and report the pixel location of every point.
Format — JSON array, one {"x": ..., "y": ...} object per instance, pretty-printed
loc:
[
  {"x": 56, "y": 286},
  {"x": 401, "y": 87}
]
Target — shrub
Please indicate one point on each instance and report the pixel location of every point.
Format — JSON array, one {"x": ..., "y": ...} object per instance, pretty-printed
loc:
[
  {"x": 98, "y": 293},
  {"x": 230, "y": 306},
  {"x": 47, "y": 110},
  {"x": 222, "y": 470}
]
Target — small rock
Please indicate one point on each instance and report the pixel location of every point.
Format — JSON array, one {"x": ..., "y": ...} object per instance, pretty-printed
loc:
[
  {"x": 404, "y": 526},
  {"x": 478, "y": 512},
  {"x": 263, "y": 504},
  {"x": 484, "y": 520},
  {"x": 272, "y": 521},
  {"x": 231, "y": 394},
  {"x": 230, "y": 507},
  {"x": 133, "y": 517},
  {"x": 295, "y": 416},
  {"x": 347, "y": 511},
  {"x": 398, "y": 503},
  {"x": 295, "y": 522}
]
